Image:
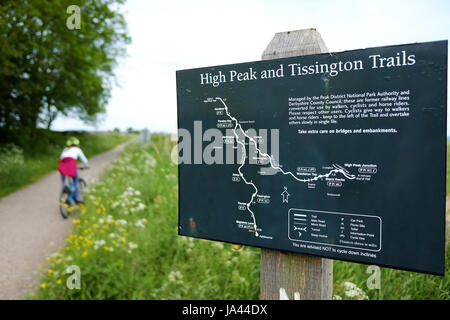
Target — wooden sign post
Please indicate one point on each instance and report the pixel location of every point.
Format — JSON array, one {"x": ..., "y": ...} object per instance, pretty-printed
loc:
[
  {"x": 145, "y": 137},
  {"x": 289, "y": 275}
]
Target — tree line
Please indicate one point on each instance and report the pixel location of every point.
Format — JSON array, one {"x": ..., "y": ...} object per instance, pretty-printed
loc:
[{"x": 48, "y": 68}]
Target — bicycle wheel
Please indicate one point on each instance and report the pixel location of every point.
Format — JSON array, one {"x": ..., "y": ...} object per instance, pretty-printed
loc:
[
  {"x": 64, "y": 203},
  {"x": 66, "y": 200}
]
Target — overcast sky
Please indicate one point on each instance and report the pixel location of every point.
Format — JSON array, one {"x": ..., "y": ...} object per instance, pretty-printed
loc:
[{"x": 171, "y": 35}]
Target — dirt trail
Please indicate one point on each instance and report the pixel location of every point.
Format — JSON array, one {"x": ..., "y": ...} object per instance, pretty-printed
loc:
[{"x": 30, "y": 221}]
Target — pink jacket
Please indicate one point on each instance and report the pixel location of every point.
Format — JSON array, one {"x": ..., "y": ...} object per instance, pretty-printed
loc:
[{"x": 68, "y": 167}]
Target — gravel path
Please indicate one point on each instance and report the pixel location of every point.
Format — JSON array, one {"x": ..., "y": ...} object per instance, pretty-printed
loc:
[{"x": 30, "y": 221}]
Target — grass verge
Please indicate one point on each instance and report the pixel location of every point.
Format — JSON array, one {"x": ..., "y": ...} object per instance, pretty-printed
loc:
[
  {"x": 126, "y": 242},
  {"x": 126, "y": 247}
]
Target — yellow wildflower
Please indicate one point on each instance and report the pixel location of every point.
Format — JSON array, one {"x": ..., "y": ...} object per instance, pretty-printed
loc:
[
  {"x": 50, "y": 271},
  {"x": 59, "y": 281},
  {"x": 44, "y": 285}
]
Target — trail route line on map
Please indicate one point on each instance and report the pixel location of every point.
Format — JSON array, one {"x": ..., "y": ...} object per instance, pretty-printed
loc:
[{"x": 337, "y": 168}]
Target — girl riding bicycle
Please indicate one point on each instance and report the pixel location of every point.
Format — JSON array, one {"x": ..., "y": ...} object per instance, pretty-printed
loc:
[{"x": 68, "y": 163}]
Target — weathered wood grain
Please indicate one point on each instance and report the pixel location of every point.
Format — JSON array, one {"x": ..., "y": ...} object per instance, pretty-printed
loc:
[{"x": 307, "y": 277}]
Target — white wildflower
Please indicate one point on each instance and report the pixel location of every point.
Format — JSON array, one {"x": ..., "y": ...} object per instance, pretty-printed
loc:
[
  {"x": 218, "y": 245},
  {"x": 121, "y": 222},
  {"x": 352, "y": 291},
  {"x": 176, "y": 277},
  {"x": 99, "y": 243},
  {"x": 141, "y": 223},
  {"x": 132, "y": 245}
]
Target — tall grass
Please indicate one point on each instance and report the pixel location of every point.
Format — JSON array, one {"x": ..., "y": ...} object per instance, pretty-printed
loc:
[
  {"x": 21, "y": 165},
  {"x": 394, "y": 284},
  {"x": 127, "y": 247}
]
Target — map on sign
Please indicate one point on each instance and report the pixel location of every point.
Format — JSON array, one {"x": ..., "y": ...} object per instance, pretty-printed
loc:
[
  {"x": 337, "y": 155},
  {"x": 241, "y": 140}
]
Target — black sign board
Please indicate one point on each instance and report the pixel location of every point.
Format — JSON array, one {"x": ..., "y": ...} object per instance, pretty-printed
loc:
[{"x": 338, "y": 155}]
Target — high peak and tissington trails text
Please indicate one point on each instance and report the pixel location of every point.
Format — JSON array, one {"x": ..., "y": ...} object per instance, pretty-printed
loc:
[{"x": 375, "y": 61}]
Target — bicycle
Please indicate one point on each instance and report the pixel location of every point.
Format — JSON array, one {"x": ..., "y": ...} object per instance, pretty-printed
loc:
[{"x": 67, "y": 197}]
